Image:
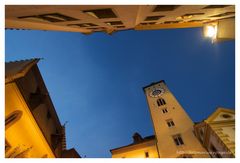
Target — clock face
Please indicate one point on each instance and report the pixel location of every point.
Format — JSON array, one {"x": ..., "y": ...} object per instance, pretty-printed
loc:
[{"x": 156, "y": 92}]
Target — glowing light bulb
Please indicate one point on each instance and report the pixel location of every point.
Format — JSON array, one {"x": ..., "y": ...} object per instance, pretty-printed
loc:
[{"x": 211, "y": 31}]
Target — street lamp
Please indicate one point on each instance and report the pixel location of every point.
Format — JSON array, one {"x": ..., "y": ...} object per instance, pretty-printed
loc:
[
  {"x": 221, "y": 30},
  {"x": 210, "y": 30}
]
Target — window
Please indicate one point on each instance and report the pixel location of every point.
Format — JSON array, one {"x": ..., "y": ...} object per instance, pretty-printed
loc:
[
  {"x": 52, "y": 17},
  {"x": 149, "y": 18},
  {"x": 146, "y": 154},
  {"x": 171, "y": 22},
  {"x": 122, "y": 26},
  {"x": 198, "y": 20},
  {"x": 48, "y": 114},
  {"x": 161, "y": 101},
  {"x": 165, "y": 8},
  {"x": 170, "y": 123},
  {"x": 83, "y": 25},
  {"x": 192, "y": 14},
  {"x": 114, "y": 23},
  {"x": 224, "y": 14},
  {"x": 36, "y": 98},
  {"x": 178, "y": 140},
  {"x": 92, "y": 28},
  {"x": 164, "y": 110},
  {"x": 215, "y": 6},
  {"x": 149, "y": 23},
  {"x": 101, "y": 13},
  {"x": 12, "y": 118}
]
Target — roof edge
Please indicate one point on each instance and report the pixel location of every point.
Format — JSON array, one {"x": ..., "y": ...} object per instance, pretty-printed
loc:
[
  {"x": 149, "y": 138},
  {"x": 23, "y": 71},
  {"x": 161, "y": 81},
  {"x": 218, "y": 110}
]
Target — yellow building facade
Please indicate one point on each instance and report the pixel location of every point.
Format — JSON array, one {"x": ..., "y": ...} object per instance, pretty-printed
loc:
[
  {"x": 217, "y": 133},
  {"x": 140, "y": 148},
  {"x": 23, "y": 136},
  {"x": 174, "y": 132},
  {"x": 32, "y": 127}
]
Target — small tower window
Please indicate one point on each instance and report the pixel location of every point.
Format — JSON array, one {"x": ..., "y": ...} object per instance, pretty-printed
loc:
[
  {"x": 170, "y": 123},
  {"x": 161, "y": 102},
  {"x": 178, "y": 140},
  {"x": 164, "y": 110}
]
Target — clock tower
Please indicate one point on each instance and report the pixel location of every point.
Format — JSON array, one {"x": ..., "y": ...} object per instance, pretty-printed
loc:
[{"x": 172, "y": 125}]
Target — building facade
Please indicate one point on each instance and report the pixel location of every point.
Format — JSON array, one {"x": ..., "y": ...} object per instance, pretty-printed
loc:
[
  {"x": 88, "y": 19},
  {"x": 217, "y": 133},
  {"x": 32, "y": 127},
  {"x": 174, "y": 132},
  {"x": 140, "y": 148}
]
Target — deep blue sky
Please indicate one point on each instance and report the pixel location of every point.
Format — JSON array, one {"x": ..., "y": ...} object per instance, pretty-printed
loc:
[{"x": 95, "y": 81}]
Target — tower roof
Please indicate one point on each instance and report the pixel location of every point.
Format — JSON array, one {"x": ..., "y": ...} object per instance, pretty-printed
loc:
[
  {"x": 214, "y": 116},
  {"x": 153, "y": 83}
]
